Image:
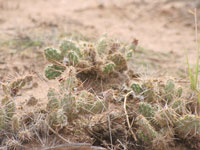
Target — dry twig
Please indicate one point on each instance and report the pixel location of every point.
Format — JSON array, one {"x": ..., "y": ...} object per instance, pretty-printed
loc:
[{"x": 127, "y": 118}]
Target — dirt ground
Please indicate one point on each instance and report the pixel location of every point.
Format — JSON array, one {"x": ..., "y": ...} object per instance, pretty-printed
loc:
[
  {"x": 165, "y": 31},
  {"x": 160, "y": 26}
]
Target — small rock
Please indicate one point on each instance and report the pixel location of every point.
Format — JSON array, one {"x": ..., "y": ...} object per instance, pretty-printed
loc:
[{"x": 32, "y": 101}]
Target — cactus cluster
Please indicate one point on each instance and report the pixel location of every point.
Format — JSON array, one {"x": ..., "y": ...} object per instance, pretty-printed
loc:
[
  {"x": 64, "y": 108},
  {"x": 7, "y": 110},
  {"x": 158, "y": 123},
  {"x": 67, "y": 103},
  {"x": 9, "y": 121},
  {"x": 102, "y": 59},
  {"x": 89, "y": 103},
  {"x": 162, "y": 114},
  {"x": 188, "y": 126},
  {"x": 157, "y": 91},
  {"x": 145, "y": 131},
  {"x": 58, "y": 107},
  {"x": 13, "y": 87}
]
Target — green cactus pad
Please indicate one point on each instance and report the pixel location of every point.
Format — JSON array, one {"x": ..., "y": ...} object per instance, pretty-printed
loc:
[
  {"x": 146, "y": 132},
  {"x": 73, "y": 57},
  {"x": 88, "y": 103},
  {"x": 129, "y": 55},
  {"x": 68, "y": 103},
  {"x": 57, "y": 119},
  {"x": 170, "y": 86},
  {"x": 3, "y": 119},
  {"x": 179, "y": 106},
  {"x": 98, "y": 107},
  {"x": 143, "y": 137},
  {"x": 67, "y": 46},
  {"x": 179, "y": 92},
  {"x": 19, "y": 83},
  {"x": 136, "y": 88},
  {"x": 101, "y": 46},
  {"x": 53, "y": 71},
  {"x": 166, "y": 117},
  {"x": 188, "y": 126},
  {"x": 69, "y": 83},
  {"x": 10, "y": 108},
  {"x": 53, "y": 100},
  {"x": 169, "y": 91},
  {"x": 53, "y": 55},
  {"x": 120, "y": 62},
  {"x": 146, "y": 110},
  {"x": 108, "y": 68},
  {"x": 15, "y": 123}
]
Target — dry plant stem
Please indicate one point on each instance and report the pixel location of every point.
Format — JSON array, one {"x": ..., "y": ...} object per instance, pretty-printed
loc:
[
  {"x": 91, "y": 133},
  {"x": 73, "y": 146},
  {"x": 127, "y": 118},
  {"x": 40, "y": 76},
  {"x": 57, "y": 63},
  {"x": 84, "y": 69},
  {"x": 62, "y": 138},
  {"x": 110, "y": 132}
]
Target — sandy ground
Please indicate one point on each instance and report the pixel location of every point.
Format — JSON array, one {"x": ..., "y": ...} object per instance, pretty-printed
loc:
[{"x": 158, "y": 25}]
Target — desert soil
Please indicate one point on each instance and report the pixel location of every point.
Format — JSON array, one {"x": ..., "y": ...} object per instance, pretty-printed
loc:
[{"x": 164, "y": 30}]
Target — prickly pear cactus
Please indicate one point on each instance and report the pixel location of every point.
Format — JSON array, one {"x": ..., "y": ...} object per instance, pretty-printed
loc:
[
  {"x": 53, "y": 100},
  {"x": 179, "y": 92},
  {"x": 69, "y": 84},
  {"x": 166, "y": 117},
  {"x": 136, "y": 88},
  {"x": 188, "y": 126},
  {"x": 68, "y": 46},
  {"x": 179, "y": 105},
  {"x": 109, "y": 68},
  {"x": 7, "y": 110},
  {"x": 53, "y": 71},
  {"x": 88, "y": 103},
  {"x": 10, "y": 107},
  {"x": 3, "y": 119},
  {"x": 60, "y": 101},
  {"x": 146, "y": 132},
  {"x": 93, "y": 59},
  {"x": 149, "y": 94},
  {"x": 58, "y": 119},
  {"x": 146, "y": 110},
  {"x": 13, "y": 87},
  {"x": 163, "y": 114},
  {"x": 102, "y": 45},
  {"x": 68, "y": 104},
  {"x": 53, "y": 56},
  {"x": 129, "y": 55},
  {"x": 73, "y": 57},
  {"x": 169, "y": 91},
  {"x": 120, "y": 62},
  {"x": 15, "y": 123}
]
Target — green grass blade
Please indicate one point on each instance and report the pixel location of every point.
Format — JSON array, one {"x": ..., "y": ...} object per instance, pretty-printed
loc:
[
  {"x": 197, "y": 69},
  {"x": 192, "y": 78}
]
